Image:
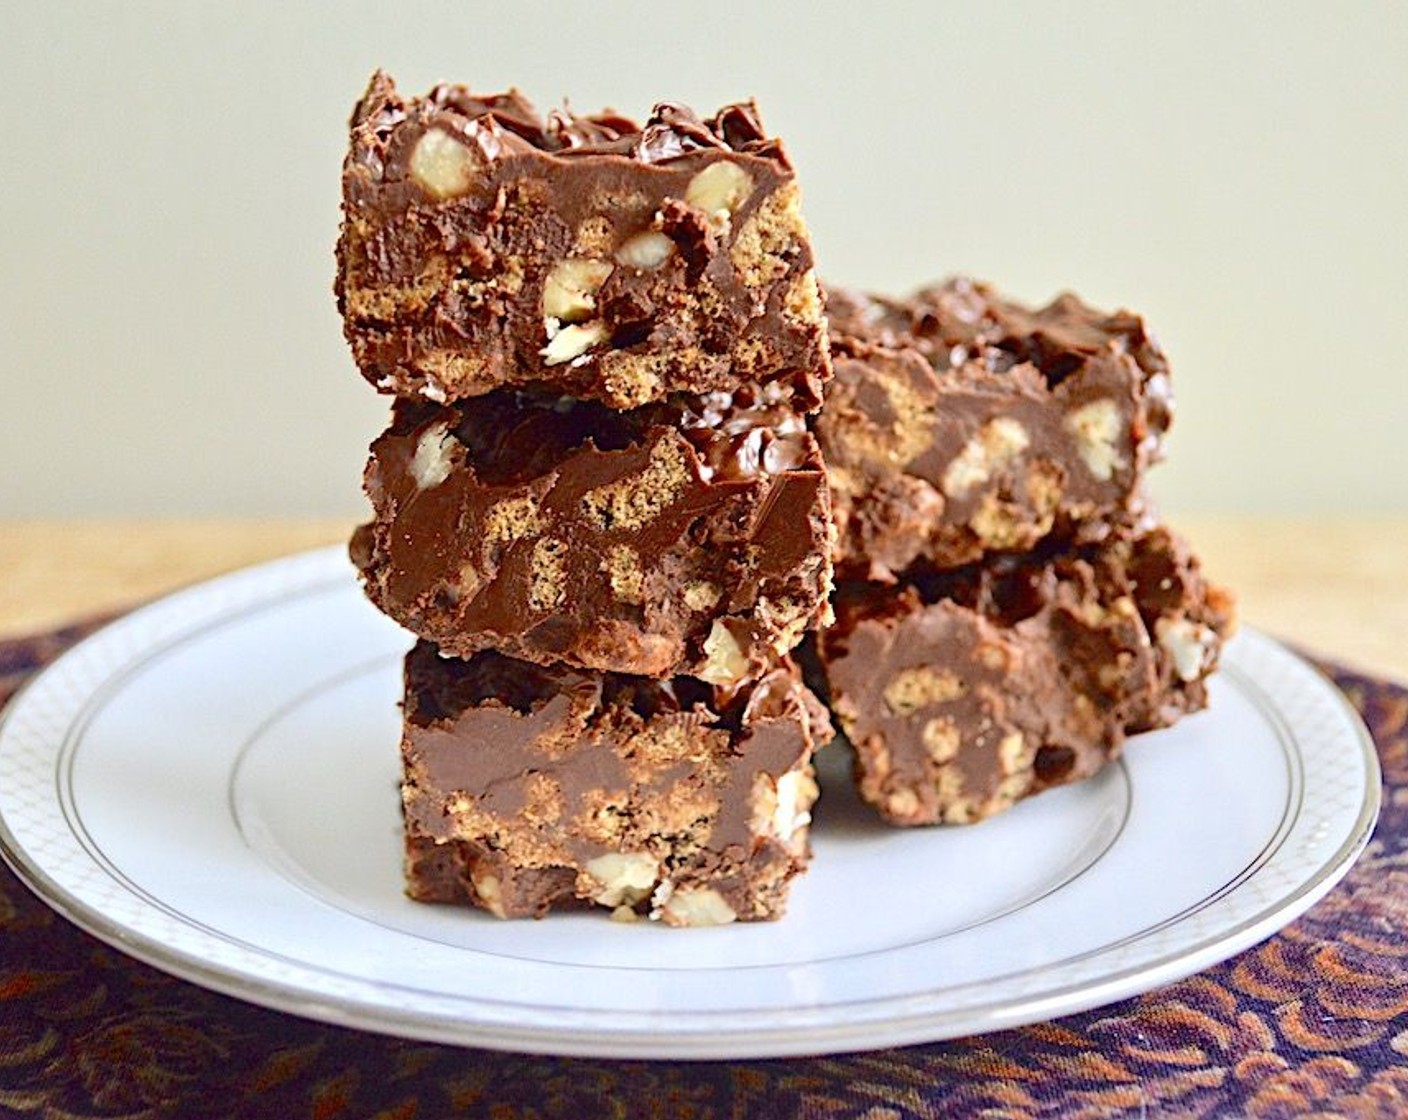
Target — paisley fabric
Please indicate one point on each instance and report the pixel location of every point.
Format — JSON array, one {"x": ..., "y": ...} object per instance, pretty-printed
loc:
[{"x": 1312, "y": 1023}]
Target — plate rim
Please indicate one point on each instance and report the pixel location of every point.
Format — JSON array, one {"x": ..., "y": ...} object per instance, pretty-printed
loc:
[{"x": 883, "y": 1021}]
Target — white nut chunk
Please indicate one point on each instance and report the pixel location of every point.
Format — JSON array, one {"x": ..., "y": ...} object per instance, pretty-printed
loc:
[
  {"x": 442, "y": 165},
  {"x": 568, "y": 343},
  {"x": 720, "y": 189},
  {"x": 782, "y": 806},
  {"x": 432, "y": 461},
  {"x": 697, "y": 906},
  {"x": 486, "y": 887},
  {"x": 1098, "y": 430},
  {"x": 569, "y": 292},
  {"x": 624, "y": 877},
  {"x": 646, "y": 251},
  {"x": 724, "y": 662},
  {"x": 1188, "y": 645},
  {"x": 995, "y": 446}
]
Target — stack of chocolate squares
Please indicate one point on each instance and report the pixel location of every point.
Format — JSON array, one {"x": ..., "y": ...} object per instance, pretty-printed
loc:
[
  {"x": 598, "y": 505},
  {"x": 604, "y": 506},
  {"x": 1008, "y": 607}
]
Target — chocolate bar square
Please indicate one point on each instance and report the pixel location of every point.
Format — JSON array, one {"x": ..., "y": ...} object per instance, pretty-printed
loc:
[
  {"x": 965, "y": 690},
  {"x": 961, "y": 424},
  {"x": 529, "y": 788},
  {"x": 484, "y": 245},
  {"x": 684, "y": 537}
]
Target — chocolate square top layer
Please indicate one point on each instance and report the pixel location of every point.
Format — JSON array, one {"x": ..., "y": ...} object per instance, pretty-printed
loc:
[
  {"x": 485, "y": 245},
  {"x": 961, "y": 423},
  {"x": 688, "y": 536}
]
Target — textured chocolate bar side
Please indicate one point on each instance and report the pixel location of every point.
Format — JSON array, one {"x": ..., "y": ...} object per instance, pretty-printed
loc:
[
  {"x": 960, "y": 424},
  {"x": 964, "y": 691},
  {"x": 662, "y": 541},
  {"x": 528, "y": 789}
]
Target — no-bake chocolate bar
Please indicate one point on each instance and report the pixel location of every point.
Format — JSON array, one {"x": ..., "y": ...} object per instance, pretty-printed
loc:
[
  {"x": 965, "y": 690},
  {"x": 484, "y": 245},
  {"x": 960, "y": 423},
  {"x": 529, "y": 788},
  {"x": 676, "y": 538}
]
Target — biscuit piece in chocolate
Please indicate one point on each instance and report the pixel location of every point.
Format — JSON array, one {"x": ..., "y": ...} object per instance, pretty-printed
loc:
[
  {"x": 965, "y": 690},
  {"x": 960, "y": 423},
  {"x": 527, "y": 789},
  {"x": 675, "y": 538},
  {"x": 483, "y": 245}
]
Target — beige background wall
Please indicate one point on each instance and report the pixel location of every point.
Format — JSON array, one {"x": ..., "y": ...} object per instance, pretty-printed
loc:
[{"x": 1239, "y": 173}]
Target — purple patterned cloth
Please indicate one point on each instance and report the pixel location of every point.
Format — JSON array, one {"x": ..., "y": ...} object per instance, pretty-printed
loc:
[{"x": 1312, "y": 1023}]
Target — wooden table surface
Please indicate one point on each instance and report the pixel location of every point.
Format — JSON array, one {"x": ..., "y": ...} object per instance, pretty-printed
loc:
[{"x": 1337, "y": 587}]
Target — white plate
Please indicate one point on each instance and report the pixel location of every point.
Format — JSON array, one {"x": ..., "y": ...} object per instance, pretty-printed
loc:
[{"x": 210, "y": 785}]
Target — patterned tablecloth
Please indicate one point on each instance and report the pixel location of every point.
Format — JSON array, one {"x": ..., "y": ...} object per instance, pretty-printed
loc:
[{"x": 1311, "y": 1023}]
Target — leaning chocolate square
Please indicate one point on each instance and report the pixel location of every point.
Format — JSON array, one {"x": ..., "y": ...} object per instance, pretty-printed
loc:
[
  {"x": 963, "y": 691},
  {"x": 960, "y": 423},
  {"x": 483, "y": 245},
  {"x": 527, "y": 789},
  {"x": 684, "y": 537}
]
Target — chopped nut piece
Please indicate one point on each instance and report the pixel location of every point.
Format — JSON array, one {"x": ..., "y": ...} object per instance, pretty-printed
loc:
[
  {"x": 993, "y": 656},
  {"x": 796, "y": 792},
  {"x": 724, "y": 662},
  {"x": 442, "y": 165},
  {"x": 996, "y": 444},
  {"x": 902, "y": 804},
  {"x": 646, "y": 250},
  {"x": 624, "y": 877},
  {"x": 486, "y": 886},
  {"x": 1098, "y": 429},
  {"x": 1188, "y": 644},
  {"x": 567, "y": 343},
  {"x": 959, "y": 810},
  {"x": 720, "y": 189},
  {"x": 782, "y": 807},
  {"x": 433, "y": 461},
  {"x": 697, "y": 906},
  {"x": 569, "y": 293},
  {"x": 1012, "y": 752}
]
